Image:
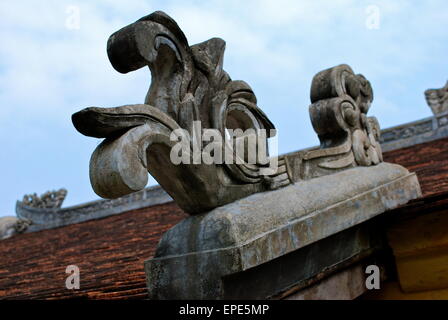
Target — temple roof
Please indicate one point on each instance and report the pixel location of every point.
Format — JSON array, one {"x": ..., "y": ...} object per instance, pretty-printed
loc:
[{"x": 110, "y": 251}]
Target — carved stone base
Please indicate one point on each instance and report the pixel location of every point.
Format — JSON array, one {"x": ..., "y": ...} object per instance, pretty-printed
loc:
[{"x": 212, "y": 255}]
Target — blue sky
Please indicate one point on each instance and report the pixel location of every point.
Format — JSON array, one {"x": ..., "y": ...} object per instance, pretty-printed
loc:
[{"x": 50, "y": 69}]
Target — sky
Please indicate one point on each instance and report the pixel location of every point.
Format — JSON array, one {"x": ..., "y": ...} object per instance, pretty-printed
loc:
[{"x": 53, "y": 62}]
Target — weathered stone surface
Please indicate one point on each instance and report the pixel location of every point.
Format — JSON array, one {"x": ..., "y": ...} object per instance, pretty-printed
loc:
[
  {"x": 437, "y": 99},
  {"x": 297, "y": 270},
  {"x": 193, "y": 257},
  {"x": 409, "y": 134},
  {"x": 49, "y": 199}
]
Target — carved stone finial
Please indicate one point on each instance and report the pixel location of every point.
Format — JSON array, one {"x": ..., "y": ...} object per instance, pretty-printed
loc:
[
  {"x": 48, "y": 200},
  {"x": 189, "y": 86},
  {"x": 348, "y": 138},
  {"x": 437, "y": 99}
]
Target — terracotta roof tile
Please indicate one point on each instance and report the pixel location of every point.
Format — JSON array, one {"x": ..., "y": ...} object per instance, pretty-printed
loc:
[{"x": 109, "y": 253}]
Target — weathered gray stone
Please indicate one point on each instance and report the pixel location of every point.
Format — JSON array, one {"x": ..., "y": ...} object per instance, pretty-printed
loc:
[
  {"x": 49, "y": 199},
  {"x": 348, "y": 138},
  {"x": 297, "y": 270},
  {"x": 437, "y": 99},
  {"x": 195, "y": 256}
]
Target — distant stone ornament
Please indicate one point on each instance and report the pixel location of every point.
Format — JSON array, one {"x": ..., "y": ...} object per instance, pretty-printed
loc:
[
  {"x": 348, "y": 138},
  {"x": 56, "y": 217},
  {"x": 48, "y": 200},
  {"x": 188, "y": 86},
  {"x": 437, "y": 99}
]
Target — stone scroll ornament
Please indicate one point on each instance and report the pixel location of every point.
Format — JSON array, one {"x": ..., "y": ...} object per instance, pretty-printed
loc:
[
  {"x": 348, "y": 138},
  {"x": 189, "y": 86}
]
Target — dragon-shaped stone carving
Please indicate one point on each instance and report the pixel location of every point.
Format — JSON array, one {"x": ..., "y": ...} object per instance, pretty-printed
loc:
[
  {"x": 437, "y": 99},
  {"x": 188, "y": 85}
]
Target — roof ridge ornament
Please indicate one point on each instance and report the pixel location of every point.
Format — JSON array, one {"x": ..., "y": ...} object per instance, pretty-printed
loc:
[
  {"x": 437, "y": 99},
  {"x": 48, "y": 200},
  {"x": 348, "y": 138}
]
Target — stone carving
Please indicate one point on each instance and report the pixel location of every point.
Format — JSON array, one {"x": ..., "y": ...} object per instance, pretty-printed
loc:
[
  {"x": 48, "y": 200},
  {"x": 424, "y": 130},
  {"x": 10, "y": 226},
  {"x": 188, "y": 86},
  {"x": 437, "y": 99},
  {"x": 406, "y": 131},
  {"x": 348, "y": 138}
]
